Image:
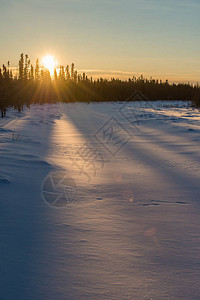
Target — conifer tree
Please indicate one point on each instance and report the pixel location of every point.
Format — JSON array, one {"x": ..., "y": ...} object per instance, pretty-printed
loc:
[
  {"x": 32, "y": 73},
  {"x": 21, "y": 67},
  {"x": 55, "y": 74},
  {"x": 26, "y": 67},
  {"x": 67, "y": 73},
  {"x": 72, "y": 72},
  {"x": 37, "y": 70}
]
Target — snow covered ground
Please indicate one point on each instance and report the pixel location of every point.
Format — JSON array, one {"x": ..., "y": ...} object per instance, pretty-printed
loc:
[{"x": 100, "y": 201}]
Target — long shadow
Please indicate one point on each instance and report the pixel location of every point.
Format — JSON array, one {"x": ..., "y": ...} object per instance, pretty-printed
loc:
[
  {"x": 176, "y": 253},
  {"x": 174, "y": 177},
  {"x": 24, "y": 216},
  {"x": 167, "y": 144}
]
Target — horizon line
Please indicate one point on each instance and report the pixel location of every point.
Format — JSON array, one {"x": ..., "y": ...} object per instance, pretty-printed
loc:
[{"x": 125, "y": 75}]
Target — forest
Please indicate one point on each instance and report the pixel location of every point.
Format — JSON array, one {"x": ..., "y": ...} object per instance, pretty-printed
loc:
[{"x": 34, "y": 84}]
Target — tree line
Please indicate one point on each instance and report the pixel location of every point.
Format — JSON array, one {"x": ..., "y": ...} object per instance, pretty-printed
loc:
[{"x": 34, "y": 84}]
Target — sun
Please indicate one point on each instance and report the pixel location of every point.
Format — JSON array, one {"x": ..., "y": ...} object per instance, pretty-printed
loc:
[{"x": 48, "y": 62}]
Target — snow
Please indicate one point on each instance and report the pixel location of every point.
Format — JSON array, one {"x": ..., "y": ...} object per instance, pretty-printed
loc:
[{"x": 100, "y": 201}]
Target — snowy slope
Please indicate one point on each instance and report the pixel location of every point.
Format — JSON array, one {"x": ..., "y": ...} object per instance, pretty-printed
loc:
[{"x": 100, "y": 201}]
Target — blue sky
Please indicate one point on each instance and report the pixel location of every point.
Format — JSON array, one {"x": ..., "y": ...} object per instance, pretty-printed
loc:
[{"x": 156, "y": 38}]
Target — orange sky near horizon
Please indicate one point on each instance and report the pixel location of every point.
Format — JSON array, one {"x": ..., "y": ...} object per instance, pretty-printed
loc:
[{"x": 108, "y": 38}]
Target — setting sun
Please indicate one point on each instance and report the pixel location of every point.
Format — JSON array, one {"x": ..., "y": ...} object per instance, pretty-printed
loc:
[{"x": 49, "y": 63}]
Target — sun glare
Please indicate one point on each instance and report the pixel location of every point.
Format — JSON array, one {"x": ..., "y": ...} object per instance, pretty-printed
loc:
[{"x": 49, "y": 63}]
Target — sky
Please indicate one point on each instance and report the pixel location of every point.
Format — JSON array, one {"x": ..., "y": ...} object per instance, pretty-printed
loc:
[{"x": 121, "y": 38}]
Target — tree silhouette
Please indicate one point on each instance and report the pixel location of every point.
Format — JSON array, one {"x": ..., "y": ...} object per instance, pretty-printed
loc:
[
  {"x": 21, "y": 67},
  {"x": 35, "y": 85},
  {"x": 37, "y": 69}
]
